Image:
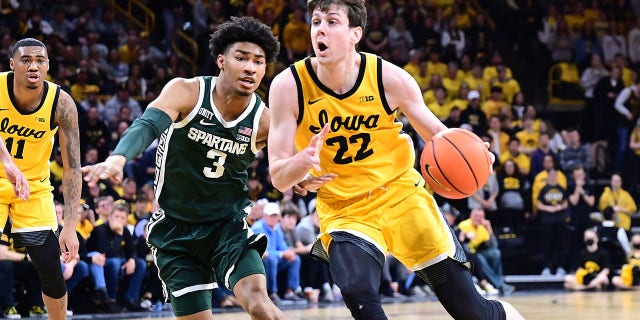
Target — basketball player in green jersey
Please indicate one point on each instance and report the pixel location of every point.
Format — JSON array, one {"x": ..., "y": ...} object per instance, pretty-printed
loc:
[
  {"x": 209, "y": 130},
  {"x": 339, "y": 135}
]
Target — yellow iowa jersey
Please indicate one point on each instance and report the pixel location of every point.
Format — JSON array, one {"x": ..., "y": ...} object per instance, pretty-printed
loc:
[
  {"x": 365, "y": 147},
  {"x": 28, "y": 135}
]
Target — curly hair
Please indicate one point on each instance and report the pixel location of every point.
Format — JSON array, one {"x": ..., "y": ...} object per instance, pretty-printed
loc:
[{"x": 244, "y": 29}]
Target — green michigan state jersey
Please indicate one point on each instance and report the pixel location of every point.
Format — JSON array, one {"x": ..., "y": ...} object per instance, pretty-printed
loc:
[{"x": 202, "y": 161}]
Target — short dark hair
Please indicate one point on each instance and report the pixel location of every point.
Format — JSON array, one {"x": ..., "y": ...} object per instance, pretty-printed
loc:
[
  {"x": 356, "y": 10},
  {"x": 244, "y": 29},
  {"x": 26, "y": 42}
]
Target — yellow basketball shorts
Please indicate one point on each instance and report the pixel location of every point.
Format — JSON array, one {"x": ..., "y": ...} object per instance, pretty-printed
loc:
[
  {"x": 36, "y": 214},
  {"x": 401, "y": 218}
]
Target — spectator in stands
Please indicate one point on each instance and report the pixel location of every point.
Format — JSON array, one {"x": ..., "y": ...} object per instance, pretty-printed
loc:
[
  {"x": 561, "y": 44},
  {"x": 495, "y": 103},
  {"x": 478, "y": 234},
  {"x": 510, "y": 86},
  {"x": 529, "y": 137},
  {"x": 490, "y": 72},
  {"x": 137, "y": 220},
  {"x": 629, "y": 277},
  {"x": 440, "y": 106},
  {"x": 460, "y": 100},
  {"x": 586, "y": 46},
  {"x": 477, "y": 82},
  {"x": 148, "y": 53},
  {"x": 552, "y": 206},
  {"x": 76, "y": 269},
  {"x": 513, "y": 153},
  {"x": 94, "y": 132},
  {"x": 581, "y": 204},
  {"x": 430, "y": 36},
  {"x": 400, "y": 42},
  {"x": 453, "y": 40},
  {"x": 633, "y": 38},
  {"x": 485, "y": 197},
  {"x": 513, "y": 203},
  {"x": 109, "y": 28},
  {"x": 613, "y": 43},
  {"x": 620, "y": 200},
  {"x": 499, "y": 138},
  {"x": 452, "y": 80},
  {"x": 575, "y": 154},
  {"x": 613, "y": 239},
  {"x": 313, "y": 273},
  {"x": 634, "y": 146},
  {"x": 556, "y": 142},
  {"x": 593, "y": 272},
  {"x": 605, "y": 94},
  {"x": 518, "y": 108},
  {"x": 435, "y": 82},
  {"x": 103, "y": 207},
  {"x": 16, "y": 267},
  {"x": 479, "y": 37},
  {"x": 454, "y": 120},
  {"x": 114, "y": 247},
  {"x": 549, "y": 25},
  {"x": 473, "y": 115},
  {"x": 588, "y": 81},
  {"x": 116, "y": 70},
  {"x": 435, "y": 65},
  {"x": 376, "y": 39},
  {"x": 627, "y": 75},
  {"x": 628, "y": 109},
  {"x": 296, "y": 41},
  {"x": 121, "y": 98},
  {"x": 278, "y": 257},
  {"x": 87, "y": 220}
]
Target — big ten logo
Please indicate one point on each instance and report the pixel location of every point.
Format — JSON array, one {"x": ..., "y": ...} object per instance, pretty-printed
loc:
[
  {"x": 40, "y": 119},
  {"x": 366, "y": 98}
]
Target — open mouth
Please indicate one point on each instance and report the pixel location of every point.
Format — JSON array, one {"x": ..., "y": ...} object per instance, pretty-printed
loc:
[
  {"x": 33, "y": 76},
  {"x": 322, "y": 47}
]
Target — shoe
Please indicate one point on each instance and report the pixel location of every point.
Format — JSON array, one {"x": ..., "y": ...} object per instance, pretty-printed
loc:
[
  {"x": 491, "y": 290},
  {"x": 131, "y": 305},
  {"x": 276, "y": 299},
  {"x": 546, "y": 272},
  {"x": 11, "y": 313},
  {"x": 111, "y": 306},
  {"x": 296, "y": 299},
  {"x": 98, "y": 296},
  {"x": 560, "y": 273},
  {"x": 37, "y": 311},
  {"x": 146, "y": 304},
  {"x": 481, "y": 291},
  {"x": 507, "y": 289},
  {"x": 69, "y": 313}
]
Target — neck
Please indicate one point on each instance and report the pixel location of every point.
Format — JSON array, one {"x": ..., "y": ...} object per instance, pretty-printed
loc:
[
  {"x": 333, "y": 75},
  {"x": 229, "y": 103},
  {"x": 28, "y": 99}
]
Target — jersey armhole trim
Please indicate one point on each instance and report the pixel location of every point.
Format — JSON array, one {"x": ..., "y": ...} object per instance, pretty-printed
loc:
[
  {"x": 383, "y": 98},
  {"x": 294, "y": 72},
  {"x": 54, "y": 109}
]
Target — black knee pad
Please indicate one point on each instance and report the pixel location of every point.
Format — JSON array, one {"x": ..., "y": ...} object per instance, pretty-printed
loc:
[
  {"x": 452, "y": 283},
  {"x": 357, "y": 273},
  {"x": 46, "y": 260}
]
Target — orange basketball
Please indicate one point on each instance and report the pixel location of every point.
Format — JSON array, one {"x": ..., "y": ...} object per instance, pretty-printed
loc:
[{"x": 455, "y": 163}]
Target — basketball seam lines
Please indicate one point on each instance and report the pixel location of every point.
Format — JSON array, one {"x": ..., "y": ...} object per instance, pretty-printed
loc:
[
  {"x": 433, "y": 151},
  {"x": 475, "y": 179}
]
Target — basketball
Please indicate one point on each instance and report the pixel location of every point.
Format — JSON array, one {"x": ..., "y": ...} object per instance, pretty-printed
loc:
[{"x": 455, "y": 163}]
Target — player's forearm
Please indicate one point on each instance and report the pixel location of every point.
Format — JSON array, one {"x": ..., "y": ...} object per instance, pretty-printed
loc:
[
  {"x": 71, "y": 188},
  {"x": 286, "y": 173}
]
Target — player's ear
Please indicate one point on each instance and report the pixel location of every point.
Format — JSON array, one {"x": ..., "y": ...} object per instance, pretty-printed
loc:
[
  {"x": 356, "y": 34},
  {"x": 220, "y": 62},
  {"x": 11, "y": 64}
]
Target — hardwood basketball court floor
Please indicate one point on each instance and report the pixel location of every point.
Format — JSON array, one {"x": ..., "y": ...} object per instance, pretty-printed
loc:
[{"x": 543, "y": 305}]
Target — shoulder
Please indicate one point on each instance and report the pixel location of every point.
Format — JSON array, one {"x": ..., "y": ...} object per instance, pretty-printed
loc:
[{"x": 283, "y": 79}]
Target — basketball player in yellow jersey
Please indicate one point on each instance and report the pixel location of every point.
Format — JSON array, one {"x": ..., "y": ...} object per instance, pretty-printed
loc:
[
  {"x": 338, "y": 136},
  {"x": 32, "y": 110}
]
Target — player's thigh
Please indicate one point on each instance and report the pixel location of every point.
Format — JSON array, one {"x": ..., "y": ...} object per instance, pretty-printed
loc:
[
  {"x": 417, "y": 233},
  {"x": 37, "y": 213},
  {"x": 188, "y": 281}
]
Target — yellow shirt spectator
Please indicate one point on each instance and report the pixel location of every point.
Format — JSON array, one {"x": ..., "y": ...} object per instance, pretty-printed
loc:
[
  {"x": 481, "y": 233},
  {"x": 541, "y": 180},
  {"x": 522, "y": 160},
  {"x": 623, "y": 205},
  {"x": 491, "y": 72},
  {"x": 438, "y": 67}
]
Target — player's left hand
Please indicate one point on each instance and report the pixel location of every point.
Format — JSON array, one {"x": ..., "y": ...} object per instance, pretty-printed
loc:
[
  {"x": 68, "y": 243},
  {"x": 312, "y": 183},
  {"x": 18, "y": 180}
]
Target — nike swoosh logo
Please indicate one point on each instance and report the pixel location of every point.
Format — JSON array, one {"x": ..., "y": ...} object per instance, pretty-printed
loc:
[
  {"x": 417, "y": 183},
  {"x": 426, "y": 169},
  {"x": 204, "y": 123},
  {"x": 310, "y": 102},
  {"x": 45, "y": 178}
]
